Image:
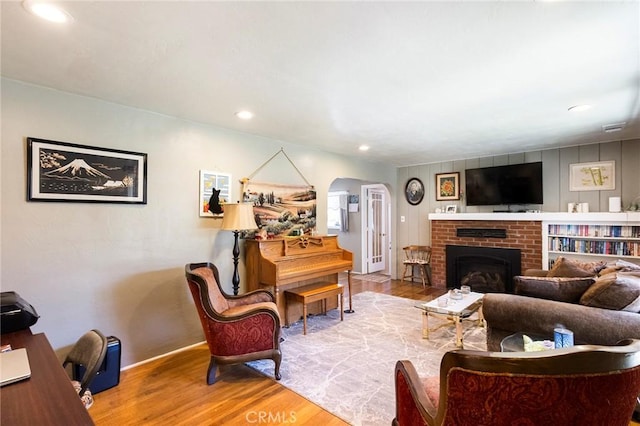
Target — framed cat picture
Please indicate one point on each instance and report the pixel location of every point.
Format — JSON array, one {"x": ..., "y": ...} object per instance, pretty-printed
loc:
[{"x": 215, "y": 191}]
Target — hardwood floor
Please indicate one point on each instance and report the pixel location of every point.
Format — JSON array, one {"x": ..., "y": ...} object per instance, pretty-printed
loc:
[{"x": 172, "y": 390}]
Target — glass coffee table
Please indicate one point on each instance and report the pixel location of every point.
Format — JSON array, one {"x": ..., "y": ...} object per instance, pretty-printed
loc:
[
  {"x": 515, "y": 342},
  {"x": 453, "y": 310}
]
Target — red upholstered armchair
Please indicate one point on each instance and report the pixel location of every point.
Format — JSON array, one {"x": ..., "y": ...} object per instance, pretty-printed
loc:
[
  {"x": 237, "y": 328},
  {"x": 595, "y": 385}
]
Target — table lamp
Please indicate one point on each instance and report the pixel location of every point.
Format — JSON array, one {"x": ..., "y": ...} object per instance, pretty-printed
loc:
[{"x": 237, "y": 217}]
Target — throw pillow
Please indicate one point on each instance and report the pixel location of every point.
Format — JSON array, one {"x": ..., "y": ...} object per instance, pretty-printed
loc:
[
  {"x": 561, "y": 289},
  {"x": 617, "y": 290},
  {"x": 564, "y": 267},
  {"x": 619, "y": 266}
]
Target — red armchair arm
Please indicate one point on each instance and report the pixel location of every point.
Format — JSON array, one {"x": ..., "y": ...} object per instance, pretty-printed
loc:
[
  {"x": 251, "y": 297},
  {"x": 413, "y": 406}
]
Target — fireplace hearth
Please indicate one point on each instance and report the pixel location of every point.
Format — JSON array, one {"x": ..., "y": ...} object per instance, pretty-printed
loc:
[{"x": 484, "y": 269}]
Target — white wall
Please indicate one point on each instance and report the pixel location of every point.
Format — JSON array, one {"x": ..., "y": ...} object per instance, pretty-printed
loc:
[
  {"x": 351, "y": 239},
  {"x": 120, "y": 268}
]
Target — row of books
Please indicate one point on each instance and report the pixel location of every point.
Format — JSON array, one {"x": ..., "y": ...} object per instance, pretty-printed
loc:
[
  {"x": 618, "y": 248},
  {"x": 595, "y": 230}
]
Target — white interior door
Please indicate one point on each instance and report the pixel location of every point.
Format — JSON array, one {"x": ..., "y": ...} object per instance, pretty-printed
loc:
[{"x": 376, "y": 230}]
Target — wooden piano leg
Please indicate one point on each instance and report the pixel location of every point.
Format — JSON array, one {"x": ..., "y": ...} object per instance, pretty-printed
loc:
[{"x": 350, "y": 310}]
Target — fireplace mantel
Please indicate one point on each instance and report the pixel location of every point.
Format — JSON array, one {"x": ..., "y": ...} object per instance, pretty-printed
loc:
[{"x": 541, "y": 217}]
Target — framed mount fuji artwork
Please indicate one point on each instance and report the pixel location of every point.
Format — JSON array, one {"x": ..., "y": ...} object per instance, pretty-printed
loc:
[{"x": 61, "y": 171}]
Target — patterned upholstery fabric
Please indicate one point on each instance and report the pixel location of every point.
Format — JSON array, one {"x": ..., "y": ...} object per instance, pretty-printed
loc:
[
  {"x": 406, "y": 409},
  {"x": 218, "y": 301},
  {"x": 594, "y": 385},
  {"x": 236, "y": 328},
  {"x": 508, "y": 399},
  {"x": 431, "y": 387}
]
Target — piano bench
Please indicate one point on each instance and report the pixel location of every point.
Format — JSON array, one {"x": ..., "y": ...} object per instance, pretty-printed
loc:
[{"x": 313, "y": 293}]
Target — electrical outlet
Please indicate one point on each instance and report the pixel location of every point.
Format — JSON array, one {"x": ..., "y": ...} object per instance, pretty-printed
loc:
[{"x": 402, "y": 219}]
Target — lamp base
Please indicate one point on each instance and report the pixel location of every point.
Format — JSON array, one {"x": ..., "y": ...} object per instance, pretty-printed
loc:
[{"x": 236, "y": 254}]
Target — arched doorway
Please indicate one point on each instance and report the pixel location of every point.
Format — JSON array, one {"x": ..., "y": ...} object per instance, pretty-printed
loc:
[{"x": 368, "y": 235}]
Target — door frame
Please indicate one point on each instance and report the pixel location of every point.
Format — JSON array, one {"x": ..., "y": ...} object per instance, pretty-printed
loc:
[{"x": 364, "y": 223}]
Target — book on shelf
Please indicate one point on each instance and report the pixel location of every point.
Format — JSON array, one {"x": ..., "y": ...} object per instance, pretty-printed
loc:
[
  {"x": 604, "y": 247},
  {"x": 614, "y": 231}
]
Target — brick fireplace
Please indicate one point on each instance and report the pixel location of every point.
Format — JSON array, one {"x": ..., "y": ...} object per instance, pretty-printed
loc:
[
  {"x": 525, "y": 235},
  {"x": 484, "y": 269}
]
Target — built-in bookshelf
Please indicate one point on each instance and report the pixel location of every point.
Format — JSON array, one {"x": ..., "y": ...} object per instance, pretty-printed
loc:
[
  {"x": 596, "y": 240},
  {"x": 586, "y": 236}
]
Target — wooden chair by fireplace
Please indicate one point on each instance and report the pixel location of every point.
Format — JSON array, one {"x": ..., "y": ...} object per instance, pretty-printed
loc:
[{"x": 417, "y": 257}]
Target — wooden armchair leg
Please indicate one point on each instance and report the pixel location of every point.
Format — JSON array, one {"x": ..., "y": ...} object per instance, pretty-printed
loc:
[
  {"x": 277, "y": 358},
  {"x": 211, "y": 372}
]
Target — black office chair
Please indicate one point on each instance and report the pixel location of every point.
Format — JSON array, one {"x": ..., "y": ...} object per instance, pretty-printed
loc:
[{"x": 89, "y": 352}]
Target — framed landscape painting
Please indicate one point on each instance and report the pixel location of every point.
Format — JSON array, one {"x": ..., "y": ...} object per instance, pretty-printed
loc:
[
  {"x": 61, "y": 171},
  {"x": 281, "y": 209}
]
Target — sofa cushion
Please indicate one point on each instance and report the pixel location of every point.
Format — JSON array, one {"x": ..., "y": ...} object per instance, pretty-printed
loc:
[
  {"x": 564, "y": 267},
  {"x": 616, "y": 290},
  {"x": 619, "y": 266},
  {"x": 561, "y": 289}
]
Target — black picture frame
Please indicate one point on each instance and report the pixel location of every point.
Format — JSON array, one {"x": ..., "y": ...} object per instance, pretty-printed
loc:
[
  {"x": 414, "y": 191},
  {"x": 68, "y": 172}
]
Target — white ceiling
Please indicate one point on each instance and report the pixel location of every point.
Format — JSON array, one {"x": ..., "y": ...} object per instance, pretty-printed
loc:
[{"x": 419, "y": 82}]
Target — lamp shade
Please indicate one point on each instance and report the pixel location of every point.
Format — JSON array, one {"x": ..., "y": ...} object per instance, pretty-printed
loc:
[{"x": 238, "y": 217}]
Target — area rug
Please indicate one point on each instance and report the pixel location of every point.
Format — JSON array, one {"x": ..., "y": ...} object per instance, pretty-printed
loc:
[
  {"x": 376, "y": 278},
  {"x": 347, "y": 367}
]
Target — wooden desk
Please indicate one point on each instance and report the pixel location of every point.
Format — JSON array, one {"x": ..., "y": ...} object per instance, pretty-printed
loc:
[{"x": 47, "y": 398}]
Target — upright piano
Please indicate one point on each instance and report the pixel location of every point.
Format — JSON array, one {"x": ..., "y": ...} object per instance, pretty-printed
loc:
[{"x": 284, "y": 263}]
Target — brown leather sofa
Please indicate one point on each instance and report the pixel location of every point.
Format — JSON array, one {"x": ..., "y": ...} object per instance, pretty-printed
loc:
[{"x": 600, "y": 303}]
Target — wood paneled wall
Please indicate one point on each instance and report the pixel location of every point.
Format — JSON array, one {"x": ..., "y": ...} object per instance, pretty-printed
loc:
[{"x": 415, "y": 227}]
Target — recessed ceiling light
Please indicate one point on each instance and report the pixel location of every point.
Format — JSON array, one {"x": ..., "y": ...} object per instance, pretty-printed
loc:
[
  {"x": 363, "y": 147},
  {"x": 48, "y": 11},
  {"x": 244, "y": 115},
  {"x": 579, "y": 108}
]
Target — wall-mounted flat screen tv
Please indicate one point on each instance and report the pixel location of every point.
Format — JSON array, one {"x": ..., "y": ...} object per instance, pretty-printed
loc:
[{"x": 504, "y": 185}]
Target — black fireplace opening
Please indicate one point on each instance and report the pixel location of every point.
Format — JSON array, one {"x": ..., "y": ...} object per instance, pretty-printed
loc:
[{"x": 484, "y": 269}]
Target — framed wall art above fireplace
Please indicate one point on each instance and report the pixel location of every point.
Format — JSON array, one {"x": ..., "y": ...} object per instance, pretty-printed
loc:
[
  {"x": 595, "y": 176},
  {"x": 447, "y": 186}
]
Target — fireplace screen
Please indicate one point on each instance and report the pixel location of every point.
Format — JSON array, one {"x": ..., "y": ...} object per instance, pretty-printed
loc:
[{"x": 484, "y": 269}]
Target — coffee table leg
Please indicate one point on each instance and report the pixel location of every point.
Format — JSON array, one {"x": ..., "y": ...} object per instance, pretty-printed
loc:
[
  {"x": 481, "y": 322},
  {"x": 425, "y": 324},
  {"x": 458, "y": 322}
]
